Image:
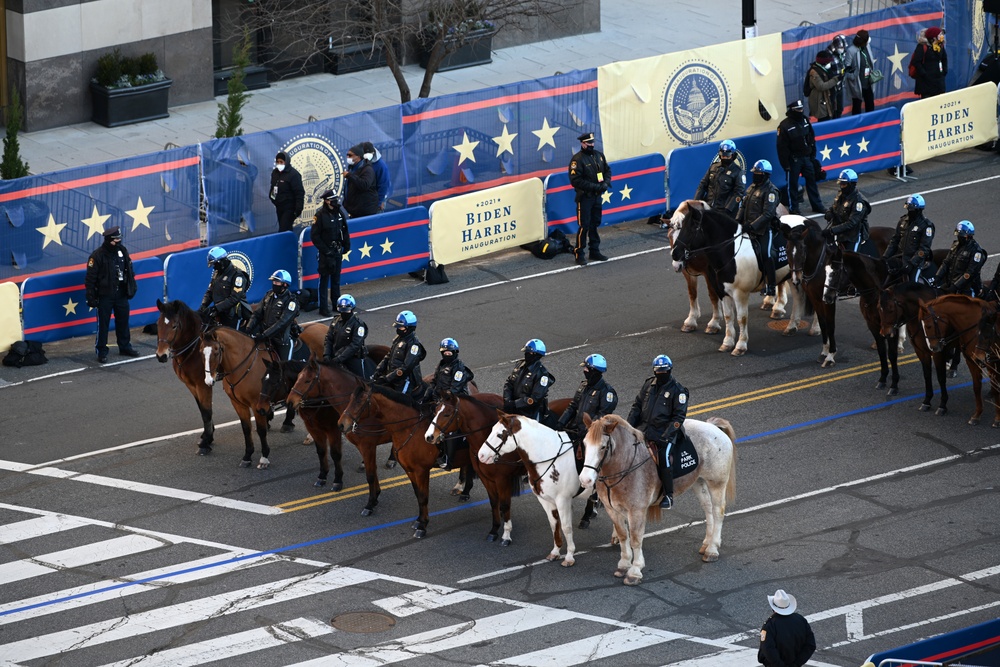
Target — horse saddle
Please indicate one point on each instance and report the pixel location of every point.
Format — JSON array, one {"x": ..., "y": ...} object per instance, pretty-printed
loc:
[
  {"x": 779, "y": 253},
  {"x": 684, "y": 457},
  {"x": 300, "y": 351}
]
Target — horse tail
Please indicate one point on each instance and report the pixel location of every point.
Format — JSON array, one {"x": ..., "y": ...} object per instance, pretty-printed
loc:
[
  {"x": 515, "y": 485},
  {"x": 727, "y": 428},
  {"x": 809, "y": 310}
]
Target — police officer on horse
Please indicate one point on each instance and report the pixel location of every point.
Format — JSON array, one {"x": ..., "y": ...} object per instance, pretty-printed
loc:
[
  {"x": 400, "y": 369},
  {"x": 274, "y": 318},
  {"x": 225, "y": 300},
  {"x": 526, "y": 390},
  {"x": 451, "y": 377},
  {"x": 758, "y": 215},
  {"x": 959, "y": 273},
  {"x": 594, "y": 397},
  {"x": 909, "y": 250},
  {"x": 345, "y": 339},
  {"x": 848, "y": 217},
  {"x": 658, "y": 411},
  {"x": 723, "y": 185}
]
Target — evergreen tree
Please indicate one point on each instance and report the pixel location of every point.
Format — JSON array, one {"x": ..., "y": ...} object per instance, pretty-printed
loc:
[
  {"x": 13, "y": 166},
  {"x": 230, "y": 115}
]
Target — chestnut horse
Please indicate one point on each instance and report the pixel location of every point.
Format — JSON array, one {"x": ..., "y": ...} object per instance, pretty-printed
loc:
[
  {"x": 955, "y": 317},
  {"x": 621, "y": 466}
]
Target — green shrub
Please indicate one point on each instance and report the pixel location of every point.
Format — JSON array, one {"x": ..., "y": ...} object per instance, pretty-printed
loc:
[{"x": 117, "y": 71}]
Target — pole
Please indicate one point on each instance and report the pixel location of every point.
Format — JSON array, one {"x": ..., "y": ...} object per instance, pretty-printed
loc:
[{"x": 749, "y": 19}]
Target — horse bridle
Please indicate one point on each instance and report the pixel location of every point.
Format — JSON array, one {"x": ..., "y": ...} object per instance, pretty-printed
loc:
[
  {"x": 249, "y": 366},
  {"x": 619, "y": 476},
  {"x": 170, "y": 343},
  {"x": 820, "y": 262},
  {"x": 445, "y": 430},
  {"x": 943, "y": 341}
]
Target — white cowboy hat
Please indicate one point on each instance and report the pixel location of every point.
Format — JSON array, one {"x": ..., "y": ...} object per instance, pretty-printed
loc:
[{"x": 782, "y": 603}]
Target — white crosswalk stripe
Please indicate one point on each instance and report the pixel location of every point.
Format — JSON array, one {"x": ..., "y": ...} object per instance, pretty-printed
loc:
[{"x": 76, "y": 557}]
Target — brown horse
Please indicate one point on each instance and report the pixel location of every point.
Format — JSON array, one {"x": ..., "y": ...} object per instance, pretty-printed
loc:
[
  {"x": 178, "y": 339},
  {"x": 955, "y": 317},
  {"x": 988, "y": 346}
]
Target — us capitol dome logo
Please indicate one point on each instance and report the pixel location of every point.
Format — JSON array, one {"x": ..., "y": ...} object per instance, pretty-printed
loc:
[
  {"x": 242, "y": 261},
  {"x": 317, "y": 160},
  {"x": 695, "y": 103}
]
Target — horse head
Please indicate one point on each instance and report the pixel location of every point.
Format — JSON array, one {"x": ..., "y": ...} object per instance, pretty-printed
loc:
[
  {"x": 987, "y": 343},
  {"x": 797, "y": 231},
  {"x": 306, "y": 384},
  {"x": 836, "y": 275},
  {"x": 445, "y": 419},
  {"x": 358, "y": 407},
  {"x": 500, "y": 440},
  {"x": 178, "y": 330},
  {"x": 890, "y": 311},
  {"x": 598, "y": 446},
  {"x": 933, "y": 326},
  {"x": 685, "y": 230}
]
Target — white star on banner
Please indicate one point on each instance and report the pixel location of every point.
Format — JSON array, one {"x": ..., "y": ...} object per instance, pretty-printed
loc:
[
  {"x": 826, "y": 153},
  {"x": 387, "y": 246},
  {"x": 465, "y": 148},
  {"x": 505, "y": 142},
  {"x": 845, "y": 149},
  {"x": 366, "y": 250},
  {"x": 140, "y": 215},
  {"x": 546, "y": 135},
  {"x": 863, "y": 146}
]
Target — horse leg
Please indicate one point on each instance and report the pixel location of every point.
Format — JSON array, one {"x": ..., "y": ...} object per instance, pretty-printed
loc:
[
  {"x": 637, "y": 528},
  {"x": 505, "y": 539},
  {"x": 740, "y": 299},
  {"x": 469, "y": 475},
  {"x": 729, "y": 309},
  {"x": 489, "y": 484},
  {"x": 715, "y": 324},
  {"x": 892, "y": 350},
  {"x": 715, "y": 513},
  {"x": 263, "y": 463},
  {"x": 995, "y": 395},
  {"x": 953, "y": 363},
  {"x": 625, "y": 548},
  {"x": 371, "y": 474},
  {"x": 322, "y": 446},
  {"x": 826, "y": 315},
  {"x": 552, "y": 514},
  {"x": 694, "y": 310},
  {"x": 941, "y": 370},
  {"x": 779, "y": 302},
  {"x": 925, "y": 366},
  {"x": 203, "y": 398},
  {"x": 977, "y": 387},
  {"x": 390, "y": 461},
  {"x": 564, "y": 505},
  {"x": 335, "y": 446},
  {"x": 243, "y": 413},
  {"x": 288, "y": 425},
  {"x": 419, "y": 474},
  {"x": 589, "y": 512}
]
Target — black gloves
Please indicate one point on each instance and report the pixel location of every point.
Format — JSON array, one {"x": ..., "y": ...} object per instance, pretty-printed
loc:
[
  {"x": 828, "y": 234},
  {"x": 508, "y": 406}
]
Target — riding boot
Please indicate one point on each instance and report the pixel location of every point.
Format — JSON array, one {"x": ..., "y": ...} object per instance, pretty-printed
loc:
[
  {"x": 666, "y": 478},
  {"x": 769, "y": 279}
]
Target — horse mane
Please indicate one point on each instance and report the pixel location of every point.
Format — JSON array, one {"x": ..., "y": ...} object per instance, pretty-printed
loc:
[{"x": 397, "y": 396}]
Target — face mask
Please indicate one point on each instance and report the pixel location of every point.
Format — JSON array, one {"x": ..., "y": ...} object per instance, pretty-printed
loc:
[
  {"x": 351, "y": 160},
  {"x": 588, "y": 148},
  {"x": 346, "y": 316},
  {"x": 369, "y": 156},
  {"x": 592, "y": 375},
  {"x": 759, "y": 178},
  {"x": 279, "y": 288},
  {"x": 279, "y": 167},
  {"x": 400, "y": 331}
]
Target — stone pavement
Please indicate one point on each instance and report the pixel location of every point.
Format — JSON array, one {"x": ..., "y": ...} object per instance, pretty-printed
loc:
[{"x": 630, "y": 29}]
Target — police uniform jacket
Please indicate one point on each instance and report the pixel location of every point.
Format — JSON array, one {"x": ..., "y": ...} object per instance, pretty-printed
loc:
[
  {"x": 451, "y": 377},
  {"x": 786, "y": 641},
  {"x": 286, "y": 189},
  {"x": 528, "y": 389},
  {"x": 275, "y": 316},
  {"x": 912, "y": 241},
  {"x": 589, "y": 174},
  {"x": 227, "y": 289},
  {"x": 345, "y": 340},
  {"x": 402, "y": 364},
  {"x": 722, "y": 186},
  {"x": 109, "y": 269},
  {"x": 960, "y": 269},
  {"x": 596, "y": 400},
  {"x": 759, "y": 211},
  {"x": 330, "y": 235},
  {"x": 796, "y": 138},
  {"x": 659, "y": 410},
  {"x": 849, "y": 218}
]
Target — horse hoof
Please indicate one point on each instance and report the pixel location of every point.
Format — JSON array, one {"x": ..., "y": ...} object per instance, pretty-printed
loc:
[
  {"x": 463, "y": 497},
  {"x": 361, "y": 468},
  {"x": 264, "y": 464},
  {"x": 776, "y": 315},
  {"x": 632, "y": 581},
  {"x": 725, "y": 348},
  {"x": 880, "y": 385},
  {"x": 420, "y": 533},
  {"x": 491, "y": 538},
  {"x": 924, "y": 407},
  {"x": 584, "y": 524},
  {"x": 974, "y": 421},
  {"x": 829, "y": 363},
  {"x": 893, "y": 391},
  {"x": 953, "y": 373},
  {"x": 568, "y": 563},
  {"x": 552, "y": 557},
  {"x": 367, "y": 511},
  {"x": 620, "y": 573},
  {"x": 415, "y": 525},
  {"x": 702, "y": 549},
  {"x": 308, "y": 440},
  {"x": 390, "y": 464},
  {"x": 287, "y": 427},
  {"x": 204, "y": 451},
  {"x": 319, "y": 482},
  {"x": 245, "y": 464},
  {"x": 337, "y": 486},
  {"x": 505, "y": 543},
  {"x": 738, "y": 352},
  {"x": 995, "y": 424},
  {"x": 789, "y": 331},
  {"x": 712, "y": 331},
  {"x": 688, "y": 328},
  {"x": 456, "y": 492},
  {"x": 710, "y": 558},
  {"x": 940, "y": 412}
]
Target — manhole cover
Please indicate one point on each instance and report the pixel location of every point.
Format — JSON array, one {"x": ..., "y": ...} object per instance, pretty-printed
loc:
[
  {"x": 363, "y": 621},
  {"x": 780, "y": 325}
]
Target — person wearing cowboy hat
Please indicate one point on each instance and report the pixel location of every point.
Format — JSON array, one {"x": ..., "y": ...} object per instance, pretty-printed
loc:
[{"x": 786, "y": 640}]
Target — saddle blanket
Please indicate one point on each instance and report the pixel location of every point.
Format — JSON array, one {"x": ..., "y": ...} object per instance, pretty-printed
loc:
[{"x": 685, "y": 457}]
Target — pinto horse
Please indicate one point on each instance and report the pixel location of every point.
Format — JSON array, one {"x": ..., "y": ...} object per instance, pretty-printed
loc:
[
  {"x": 731, "y": 269},
  {"x": 955, "y": 317},
  {"x": 548, "y": 457},
  {"x": 621, "y": 466},
  {"x": 178, "y": 339}
]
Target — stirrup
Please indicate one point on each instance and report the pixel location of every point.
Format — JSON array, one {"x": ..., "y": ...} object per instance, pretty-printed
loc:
[{"x": 667, "y": 503}]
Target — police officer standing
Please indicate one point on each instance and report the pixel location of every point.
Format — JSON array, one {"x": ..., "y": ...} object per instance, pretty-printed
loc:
[
  {"x": 848, "y": 217},
  {"x": 451, "y": 377},
  {"x": 594, "y": 397},
  {"x": 526, "y": 390},
  {"x": 286, "y": 193},
  {"x": 273, "y": 319},
  {"x": 590, "y": 176},
  {"x": 400, "y": 369},
  {"x": 110, "y": 283},
  {"x": 959, "y": 273},
  {"x": 345, "y": 340},
  {"x": 225, "y": 298},
  {"x": 758, "y": 215},
  {"x": 909, "y": 250},
  {"x": 796, "y": 144},
  {"x": 332, "y": 240},
  {"x": 658, "y": 411},
  {"x": 723, "y": 184},
  {"x": 786, "y": 640}
]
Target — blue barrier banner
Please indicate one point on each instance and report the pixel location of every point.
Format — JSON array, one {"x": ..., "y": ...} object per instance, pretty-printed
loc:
[
  {"x": 51, "y": 223},
  {"x": 951, "y": 646},
  {"x": 686, "y": 166},
  {"x": 477, "y": 140},
  {"x": 187, "y": 273},
  {"x": 389, "y": 244},
  {"x": 637, "y": 191},
  {"x": 55, "y": 306}
]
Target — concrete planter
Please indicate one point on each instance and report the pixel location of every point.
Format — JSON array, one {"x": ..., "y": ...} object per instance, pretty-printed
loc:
[
  {"x": 475, "y": 49},
  {"x": 254, "y": 78},
  {"x": 345, "y": 58},
  {"x": 124, "y": 106}
]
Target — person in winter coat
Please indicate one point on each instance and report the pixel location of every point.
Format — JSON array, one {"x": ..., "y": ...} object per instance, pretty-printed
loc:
[
  {"x": 286, "y": 193},
  {"x": 360, "y": 187},
  {"x": 859, "y": 74},
  {"x": 823, "y": 81},
  {"x": 931, "y": 62},
  {"x": 383, "y": 181}
]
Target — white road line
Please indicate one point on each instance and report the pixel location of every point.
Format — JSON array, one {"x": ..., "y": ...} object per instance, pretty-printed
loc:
[
  {"x": 582, "y": 651},
  {"x": 424, "y": 599},
  {"x": 37, "y": 527},
  {"x": 231, "y": 646},
  {"x": 739, "y": 658},
  {"x": 141, "y": 487},
  {"x": 87, "y": 554},
  {"x": 141, "y": 623},
  {"x": 917, "y": 624}
]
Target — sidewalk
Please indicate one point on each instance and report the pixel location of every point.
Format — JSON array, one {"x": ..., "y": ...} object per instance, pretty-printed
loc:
[{"x": 630, "y": 29}]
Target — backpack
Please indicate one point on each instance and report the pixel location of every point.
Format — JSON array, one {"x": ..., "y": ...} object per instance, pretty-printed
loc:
[
  {"x": 556, "y": 244},
  {"x": 25, "y": 353},
  {"x": 807, "y": 85},
  {"x": 912, "y": 69}
]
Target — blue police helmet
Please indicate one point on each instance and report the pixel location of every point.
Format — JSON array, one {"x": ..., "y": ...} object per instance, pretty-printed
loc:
[
  {"x": 282, "y": 275},
  {"x": 915, "y": 203},
  {"x": 406, "y": 319},
  {"x": 597, "y": 362},
  {"x": 449, "y": 345},
  {"x": 965, "y": 228},
  {"x": 534, "y": 345},
  {"x": 215, "y": 254},
  {"x": 848, "y": 176},
  {"x": 346, "y": 303},
  {"x": 727, "y": 148},
  {"x": 662, "y": 363},
  {"x": 762, "y": 167}
]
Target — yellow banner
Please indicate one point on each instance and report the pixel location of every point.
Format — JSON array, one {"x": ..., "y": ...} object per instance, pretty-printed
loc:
[
  {"x": 10, "y": 315},
  {"x": 950, "y": 122},
  {"x": 692, "y": 97},
  {"x": 487, "y": 221}
]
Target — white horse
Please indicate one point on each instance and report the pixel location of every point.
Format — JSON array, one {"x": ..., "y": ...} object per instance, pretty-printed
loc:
[
  {"x": 620, "y": 464},
  {"x": 548, "y": 458}
]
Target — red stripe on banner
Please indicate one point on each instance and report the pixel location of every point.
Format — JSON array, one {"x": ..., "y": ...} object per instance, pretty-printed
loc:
[
  {"x": 607, "y": 211},
  {"x": 901, "y": 20},
  {"x": 104, "y": 178},
  {"x": 506, "y": 99},
  {"x": 564, "y": 221},
  {"x": 391, "y": 228},
  {"x": 866, "y": 128},
  {"x": 871, "y": 158},
  {"x": 77, "y": 288},
  {"x": 962, "y": 649},
  {"x": 163, "y": 250},
  {"x": 631, "y": 174},
  {"x": 384, "y": 262},
  {"x": 74, "y": 323}
]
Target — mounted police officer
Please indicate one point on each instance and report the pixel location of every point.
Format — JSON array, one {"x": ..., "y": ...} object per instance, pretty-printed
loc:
[
  {"x": 724, "y": 184},
  {"x": 959, "y": 273},
  {"x": 225, "y": 300},
  {"x": 332, "y": 240},
  {"x": 526, "y": 390},
  {"x": 345, "y": 339},
  {"x": 909, "y": 250},
  {"x": 758, "y": 215},
  {"x": 594, "y": 397},
  {"x": 273, "y": 319},
  {"x": 400, "y": 369},
  {"x": 451, "y": 377},
  {"x": 848, "y": 217},
  {"x": 659, "y": 411}
]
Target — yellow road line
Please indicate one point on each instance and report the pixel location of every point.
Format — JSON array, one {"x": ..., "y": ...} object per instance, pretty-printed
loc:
[{"x": 352, "y": 492}]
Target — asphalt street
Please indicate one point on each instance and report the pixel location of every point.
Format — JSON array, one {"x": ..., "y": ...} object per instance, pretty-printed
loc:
[{"x": 117, "y": 541}]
